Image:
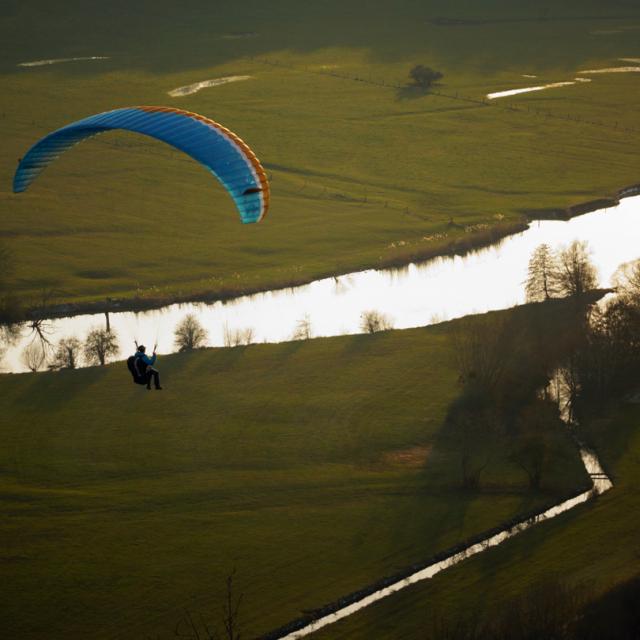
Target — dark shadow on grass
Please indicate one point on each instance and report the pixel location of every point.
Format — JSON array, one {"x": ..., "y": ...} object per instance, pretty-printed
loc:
[
  {"x": 360, "y": 344},
  {"x": 411, "y": 92},
  {"x": 191, "y": 365},
  {"x": 547, "y": 18},
  {"x": 163, "y": 36},
  {"x": 291, "y": 348},
  {"x": 44, "y": 393}
]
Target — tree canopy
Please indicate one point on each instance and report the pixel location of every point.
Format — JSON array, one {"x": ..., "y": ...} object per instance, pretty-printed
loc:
[{"x": 424, "y": 76}]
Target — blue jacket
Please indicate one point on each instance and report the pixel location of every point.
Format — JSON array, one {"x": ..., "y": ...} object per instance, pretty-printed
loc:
[{"x": 145, "y": 358}]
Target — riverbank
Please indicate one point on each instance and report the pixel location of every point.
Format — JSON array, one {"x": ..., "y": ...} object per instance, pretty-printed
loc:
[
  {"x": 460, "y": 245},
  {"x": 583, "y": 207}
]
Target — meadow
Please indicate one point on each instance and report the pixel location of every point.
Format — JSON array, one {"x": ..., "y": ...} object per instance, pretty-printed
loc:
[
  {"x": 362, "y": 174},
  {"x": 311, "y": 468},
  {"x": 593, "y": 549}
]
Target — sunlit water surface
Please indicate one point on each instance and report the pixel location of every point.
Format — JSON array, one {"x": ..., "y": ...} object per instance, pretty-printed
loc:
[{"x": 417, "y": 295}]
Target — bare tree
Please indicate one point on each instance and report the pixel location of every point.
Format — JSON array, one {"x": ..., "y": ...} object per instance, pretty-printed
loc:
[
  {"x": 230, "y": 610},
  {"x": 192, "y": 627},
  {"x": 41, "y": 330},
  {"x": 67, "y": 354},
  {"x": 228, "y": 336},
  {"x": 303, "y": 330},
  {"x": 541, "y": 277},
  {"x": 606, "y": 361},
  {"x": 627, "y": 281},
  {"x": 568, "y": 386},
  {"x": 237, "y": 337},
  {"x": 189, "y": 334},
  {"x": 99, "y": 346},
  {"x": 481, "y": 354},
  {"x": 373, "y": 321},
  {"x": 576, "y": 273},
  {"x": 531, "y": 448},
  {"x": 473, "y": 432},
  {"x": 33, "y": 356},
  {"x": 40, "y": 326}
]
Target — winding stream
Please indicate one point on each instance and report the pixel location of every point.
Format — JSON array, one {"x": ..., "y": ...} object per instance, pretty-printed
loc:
[
  {"x": 418, "y": 295},
  {"x": 601, "y": 483}
]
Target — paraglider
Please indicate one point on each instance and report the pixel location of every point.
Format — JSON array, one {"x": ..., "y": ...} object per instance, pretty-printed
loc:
[
  {"x": 221, "y": 151},
  {"x": 141, "y": 367}
]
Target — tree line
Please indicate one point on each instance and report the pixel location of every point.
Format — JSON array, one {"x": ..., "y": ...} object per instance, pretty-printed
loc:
[
  {"x": 102, "y": 345},
  {"x": 604, "y": 359},
  {"x": 604, "y": 362},
  {"x": 568, "y": 272},
  {"x": 589, "y": 345},
  {"x": 553, "y": 610}
]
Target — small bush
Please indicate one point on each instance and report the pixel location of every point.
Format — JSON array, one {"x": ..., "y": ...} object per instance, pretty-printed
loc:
[
  {"x": 424, "y": 76},
  {"x": 303, "y": 330},
  {"x": 374, "y": 321}
]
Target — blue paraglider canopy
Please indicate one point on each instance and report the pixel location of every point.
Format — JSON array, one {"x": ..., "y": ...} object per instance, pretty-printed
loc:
[{"x": 214, "y": 146}]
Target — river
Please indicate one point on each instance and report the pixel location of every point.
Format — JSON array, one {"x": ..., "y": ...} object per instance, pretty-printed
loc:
[{"x": 413, "y": 296}]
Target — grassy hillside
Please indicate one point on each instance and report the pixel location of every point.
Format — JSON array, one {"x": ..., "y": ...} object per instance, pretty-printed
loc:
[
  {"x": 361, "y": 174},
  {"x": 312, "y": 468},
  {"x": 594, "y": 548}
]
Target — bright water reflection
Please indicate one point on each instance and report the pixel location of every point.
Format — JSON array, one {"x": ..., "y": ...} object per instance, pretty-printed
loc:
[
  {"x": 432, "y": 570},
  {"x": 421, "y": 294}
]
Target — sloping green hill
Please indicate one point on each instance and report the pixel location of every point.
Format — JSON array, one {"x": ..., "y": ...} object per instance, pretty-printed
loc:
[
  {"x": 313, "y": 468},
  {"x": 593, "y": 548},
  {"x": 361, "y": 173}
]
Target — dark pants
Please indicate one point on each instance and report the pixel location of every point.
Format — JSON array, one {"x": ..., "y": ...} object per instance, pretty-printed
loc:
[{"x": 152, "y": 373}]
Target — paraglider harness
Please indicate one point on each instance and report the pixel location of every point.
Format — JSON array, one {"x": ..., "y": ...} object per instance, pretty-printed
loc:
[{"x": 138, "y": 369}]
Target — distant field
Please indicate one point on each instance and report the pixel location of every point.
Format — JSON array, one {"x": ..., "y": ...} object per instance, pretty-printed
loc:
[
  {"x": 360, "y": 174},
  {"x": 594, "y": 548},
  {"x": 314, "y": 468}
]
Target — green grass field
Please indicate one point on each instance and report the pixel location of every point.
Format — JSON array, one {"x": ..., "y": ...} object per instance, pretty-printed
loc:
[
  {"x": 360, "y": 174},
  {"x": 313, "y": 468},
  {"x": 594, "y": 548}
]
